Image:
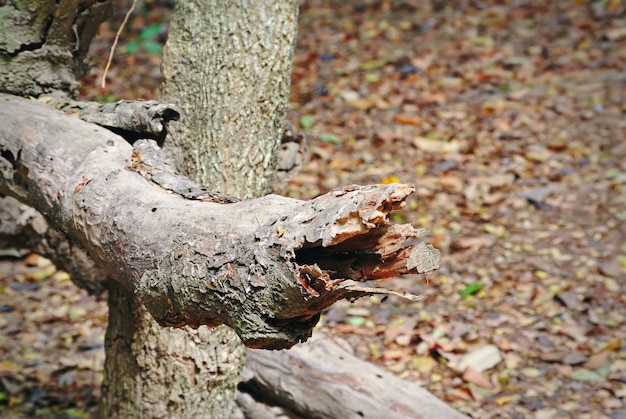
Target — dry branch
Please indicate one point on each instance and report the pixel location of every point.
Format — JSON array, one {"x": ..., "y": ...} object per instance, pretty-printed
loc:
[
  {"x": 21, "y": 227},
  {"x": 319, "y": 379},
  {"x": 267, "y": 267}
]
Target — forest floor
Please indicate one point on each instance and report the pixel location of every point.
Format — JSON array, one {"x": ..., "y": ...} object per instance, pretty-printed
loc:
[{"x": 510, "y": 119}]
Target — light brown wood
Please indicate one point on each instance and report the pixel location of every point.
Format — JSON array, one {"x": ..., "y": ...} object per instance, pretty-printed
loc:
[
  {"x": 266, "y": 267},
  {"x": 319, "y": 379}
]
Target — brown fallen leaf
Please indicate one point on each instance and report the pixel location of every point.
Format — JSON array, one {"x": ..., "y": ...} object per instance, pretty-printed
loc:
[
  {"x": 407, "y": 120},
  {"x": 473, "y": 243},
  {"x": 565, "y": 357},
  {"x": 598, "y": 359},
  {"x": 595, "y": 361},
  {"x": 392, "y": 332},
  {"x": 459, "y": 393},
  {"x": 575, "y": 358},
  {"x": 569, "y": 299},
  {"x": 470, "y": 375},
  {"x": 610, "y": 267},
  {"x": 395, "y": 354}
]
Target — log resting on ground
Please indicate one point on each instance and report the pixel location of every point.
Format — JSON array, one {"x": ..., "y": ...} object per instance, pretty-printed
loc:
[
  {"x": 266, "y": 267},
  {"x": 320, "y": 379}
]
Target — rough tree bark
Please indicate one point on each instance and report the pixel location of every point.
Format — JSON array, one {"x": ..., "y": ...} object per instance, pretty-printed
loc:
[
  {"x": 227, "y": 140},
  {"x": 227, "y": 65},
  {"x": 266, "y": 267},
  {"x": 322, "y": 374},
  {"x": 43, "y": 44}
]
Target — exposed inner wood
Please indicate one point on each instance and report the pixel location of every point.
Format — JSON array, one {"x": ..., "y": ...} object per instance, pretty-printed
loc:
[{"x": 266, "y": 267}]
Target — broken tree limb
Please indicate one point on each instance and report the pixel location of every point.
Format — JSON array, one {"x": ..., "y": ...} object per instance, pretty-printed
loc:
[
  {"x": 319, "y": 379},
  {"x": 263, "y": 393},
  {"x": 266, "y": 267},
  {"x": 133, "y": 119}
]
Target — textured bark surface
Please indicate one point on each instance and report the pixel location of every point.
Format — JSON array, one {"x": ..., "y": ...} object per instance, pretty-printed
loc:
[
  {"x": 157, "y": 372},
  {"x": 227, "y": 65},
  {"x": 319, "y": 379},
  {"x": 23, "y": 227},
  {"x": 43, "y": 44},
  {"x": 266, "y": 266},
  {"x": 231, "y": 82},
  {"x": 130, "y": 118},
  {"x": 321, "y": 369}
]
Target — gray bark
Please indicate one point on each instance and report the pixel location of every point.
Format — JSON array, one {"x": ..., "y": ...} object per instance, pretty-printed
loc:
[
  {"x": 319, "y": 379},
  {"x": 132, "y": 119},
  {"x": 232, "y": 79},
  {"x": 22, "y": 227},
  {"x": 319, "y": 371},
  {"x": 265, "y": 267},
  {"x": 43, "y": 44}
]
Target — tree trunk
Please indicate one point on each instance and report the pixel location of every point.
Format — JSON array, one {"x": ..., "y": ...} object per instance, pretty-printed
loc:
[
  {"x": 213, "y": 52},
  {"x": 43, "y": 44},
  {"x": 156, "y": 372},
  {"x": 227, "y": 65}
]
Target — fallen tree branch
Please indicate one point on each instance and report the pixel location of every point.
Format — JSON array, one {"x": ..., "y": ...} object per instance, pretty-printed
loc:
[
  {"x": 319, "y": 379},
  {"x": 266, "y": 267},
  {"x": 22, "y": 227}
]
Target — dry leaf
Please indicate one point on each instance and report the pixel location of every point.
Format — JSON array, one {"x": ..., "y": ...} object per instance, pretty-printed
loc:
[
  {"x": 470, "y": 375},
  {"x": 481, "y": 359}
]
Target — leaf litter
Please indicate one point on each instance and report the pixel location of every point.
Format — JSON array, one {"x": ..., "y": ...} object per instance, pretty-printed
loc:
[{"x": 509, "y": 118}]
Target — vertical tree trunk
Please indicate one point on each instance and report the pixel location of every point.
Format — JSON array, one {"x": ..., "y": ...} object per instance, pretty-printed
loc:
[
  {"x": 227, "y": 66},
  {"x": 154, "y": 372}
]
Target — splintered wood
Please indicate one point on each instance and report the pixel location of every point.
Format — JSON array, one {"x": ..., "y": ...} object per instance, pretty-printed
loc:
[{"x": 267, "y": 267}]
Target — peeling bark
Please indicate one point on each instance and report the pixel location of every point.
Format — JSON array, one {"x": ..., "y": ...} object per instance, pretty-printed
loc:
[
  {"x": 320, "y": 368},
  {"x": 266, "y": 267}
]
